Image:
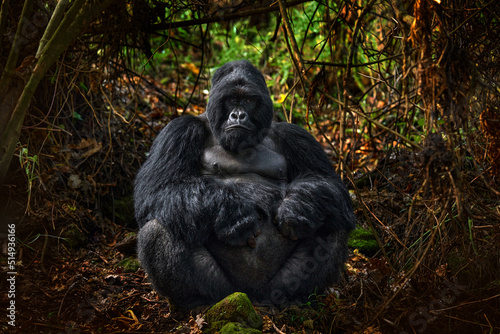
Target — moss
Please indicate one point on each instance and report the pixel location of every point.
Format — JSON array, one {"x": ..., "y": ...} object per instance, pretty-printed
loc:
[
  {"x": 236, "y": 308},
  {"x": 74, "y": 236},
  {"x": 129, "y": 265},
  {"x": 456, "y": 262},
  {"x": 236, "y": 327},
  {"x": 364, "y": 241}
]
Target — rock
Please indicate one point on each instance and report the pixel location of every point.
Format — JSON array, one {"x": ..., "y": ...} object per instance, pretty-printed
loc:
[{"x": 234, "y": 314}]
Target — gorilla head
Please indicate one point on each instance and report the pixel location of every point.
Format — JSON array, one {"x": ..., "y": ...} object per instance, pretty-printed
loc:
[{"x": 240, "y": 110}]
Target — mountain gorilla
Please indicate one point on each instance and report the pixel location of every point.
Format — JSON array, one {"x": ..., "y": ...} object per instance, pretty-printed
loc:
[{"x": 232, "y": 201}]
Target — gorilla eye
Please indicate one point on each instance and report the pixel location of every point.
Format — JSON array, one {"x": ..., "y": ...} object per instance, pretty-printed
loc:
[{"x": 250, "y": 102}]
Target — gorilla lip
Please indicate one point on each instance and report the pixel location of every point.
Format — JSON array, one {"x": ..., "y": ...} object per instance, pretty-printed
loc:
[{"x": 236, "y": 127}]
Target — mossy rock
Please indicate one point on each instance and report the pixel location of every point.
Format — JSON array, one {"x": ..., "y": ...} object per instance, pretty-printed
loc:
[
  {"x": 129, "y": 265},
  {"x": 235, "y": 308},
  {"x": 364, "y": 241}
]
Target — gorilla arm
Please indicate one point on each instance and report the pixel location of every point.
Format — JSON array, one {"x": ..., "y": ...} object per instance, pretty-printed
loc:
[
  {"x": 168, "y": 177},
  {"x": 315, "y": 197}
]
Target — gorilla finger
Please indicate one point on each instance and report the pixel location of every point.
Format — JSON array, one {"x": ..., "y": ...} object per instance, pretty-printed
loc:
[
  {"x": 307, "y": 222},
  {"x": 285, "y": 229},
  {"x": 251, "y": 242},
  {"x": 236, "y": 242},
  {"x": 256, "y": 230}
]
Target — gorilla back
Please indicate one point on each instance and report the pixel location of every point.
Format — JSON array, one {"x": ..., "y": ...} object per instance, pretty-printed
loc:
[{"x": 231, "y": 201}]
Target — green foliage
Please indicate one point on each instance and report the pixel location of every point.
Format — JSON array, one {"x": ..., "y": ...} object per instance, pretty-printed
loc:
[
  {"x": 129, "y": 265},
  {"x": 316, "y": 313},
  {"x": 242, "y": 41},
  {"x": 236, "y": 327},
  {"x": 247, "y": 39},
  {"x": 29, "y": 163},
  {"x": 364, "y": 241},
  {"x": 77, "y": 116}
]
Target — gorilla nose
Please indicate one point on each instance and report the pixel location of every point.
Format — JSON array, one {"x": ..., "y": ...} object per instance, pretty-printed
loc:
[{"x": 238, "y": 116}]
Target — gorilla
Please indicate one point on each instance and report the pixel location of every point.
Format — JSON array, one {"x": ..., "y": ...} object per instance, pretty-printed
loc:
[{"x": 231, "y": 201}]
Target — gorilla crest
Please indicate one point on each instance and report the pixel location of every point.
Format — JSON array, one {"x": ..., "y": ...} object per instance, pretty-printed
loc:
[{"x": 232, "y": 201}]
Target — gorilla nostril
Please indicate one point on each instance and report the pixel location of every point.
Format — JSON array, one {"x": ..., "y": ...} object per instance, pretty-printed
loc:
[{"x": 238, "y": 116}]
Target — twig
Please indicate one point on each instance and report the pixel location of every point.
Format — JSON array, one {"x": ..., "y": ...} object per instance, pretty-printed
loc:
[
  {"x": 413, "y": 270},
  {"x": 8, "y": 70},
  {"x": 344, "y": 106},
  {"x": 380, "y": 125},
  {"x": 325, "y": 63},
  {"x": 297, "y": 60},
  {"x": 203, "y": 38},
  {"x": 44, "y": 252},
  {"x": 463, "y": 304},
  {"x": 470, "y": 322},
  {"x": 277, "y": 329},
  {"x": 76, "y": 280},
  {"x": 470, "y": 17}
]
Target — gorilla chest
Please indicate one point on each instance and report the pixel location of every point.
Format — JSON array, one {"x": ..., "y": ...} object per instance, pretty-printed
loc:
[
  {"x": 261, "y": 163},
  {"x": 263, "y": 170}
]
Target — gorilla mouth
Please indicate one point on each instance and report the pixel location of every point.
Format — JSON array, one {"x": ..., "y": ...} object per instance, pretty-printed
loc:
[{"x": 237, "y": 127}]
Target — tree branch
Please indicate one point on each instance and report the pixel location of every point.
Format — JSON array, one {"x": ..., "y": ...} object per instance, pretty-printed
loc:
[
  {"x": 3, "y": 15},
  {"x": 224, "y": 18},
  {"x": 295, "y": 53},
  {"x": 345, "y": 106},
  {"x": 324, "y": 63},
  {"x": 8, "y": 70},
  {"x": 52, "y": 26},
  {"x": 78, "y": 17}
]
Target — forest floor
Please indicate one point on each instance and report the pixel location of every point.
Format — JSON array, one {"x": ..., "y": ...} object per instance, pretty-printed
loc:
[
  {"x": 90, "y": 289},
  {"x": 77, "y": 271}
]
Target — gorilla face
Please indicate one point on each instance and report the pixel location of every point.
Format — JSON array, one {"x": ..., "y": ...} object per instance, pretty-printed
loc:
[
  {"x": 241, "y": 127},
  {"x": 240, "y": 109}
]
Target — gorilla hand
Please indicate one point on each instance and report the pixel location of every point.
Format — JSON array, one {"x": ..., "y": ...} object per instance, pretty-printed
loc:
[
  {"x": 241, "y": 227},
  {"x": 297, "y": 219}
]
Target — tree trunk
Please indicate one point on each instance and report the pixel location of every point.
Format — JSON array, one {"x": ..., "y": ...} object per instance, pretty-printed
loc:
[{"x": 15, "y": 96}]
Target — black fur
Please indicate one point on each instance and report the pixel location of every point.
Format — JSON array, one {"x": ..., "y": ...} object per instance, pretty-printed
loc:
[{"x": 259, "y": 211}]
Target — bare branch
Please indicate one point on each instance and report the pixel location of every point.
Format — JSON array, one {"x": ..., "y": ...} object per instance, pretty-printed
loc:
[{"x": 224, "y": 18}]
